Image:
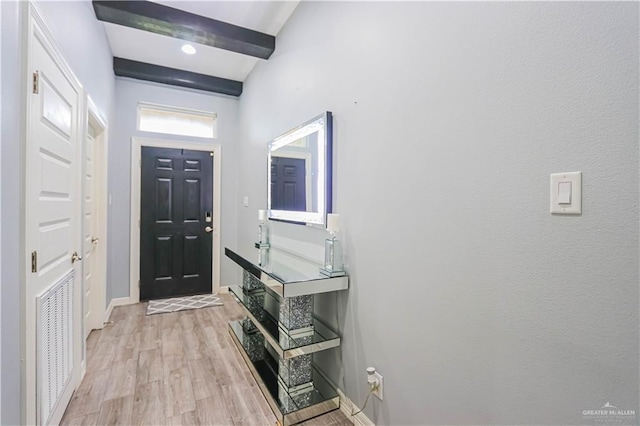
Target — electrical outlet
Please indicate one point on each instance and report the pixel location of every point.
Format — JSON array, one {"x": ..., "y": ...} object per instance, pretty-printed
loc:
[{"x": 378, "y": 391}]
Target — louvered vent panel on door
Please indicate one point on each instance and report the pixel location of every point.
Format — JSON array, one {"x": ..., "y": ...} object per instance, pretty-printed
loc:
[{"x": 55, "y": 344}]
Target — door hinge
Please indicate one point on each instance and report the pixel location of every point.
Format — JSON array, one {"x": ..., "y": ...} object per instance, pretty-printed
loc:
[
  {"x": 36, "y": 82},
  {"x": 138, "y": 283},
  {"x": 34, "y": 261}
]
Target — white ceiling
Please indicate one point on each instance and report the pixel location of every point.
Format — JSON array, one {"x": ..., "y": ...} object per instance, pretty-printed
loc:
[
  {"x": 264, "y": 16},
  {"x": 143, "y": 46}
]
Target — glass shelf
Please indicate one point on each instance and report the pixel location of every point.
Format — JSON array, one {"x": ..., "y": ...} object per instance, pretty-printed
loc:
[
  {"x": 289, "y": 276},
  {"x": 290, "y": 408},
  {"x": 285, "y": 345}
]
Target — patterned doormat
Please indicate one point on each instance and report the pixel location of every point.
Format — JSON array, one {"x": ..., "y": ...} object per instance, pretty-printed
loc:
[{"x": 176, "y": 304}]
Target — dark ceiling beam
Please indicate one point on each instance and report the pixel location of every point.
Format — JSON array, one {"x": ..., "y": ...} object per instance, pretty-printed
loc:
[
  {"x": 167, "y": 21},
  {"x": 174, "y": 77}
]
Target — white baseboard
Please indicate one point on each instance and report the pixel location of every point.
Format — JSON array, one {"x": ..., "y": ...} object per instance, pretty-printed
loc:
[
  {"x": 223, "y": 289},
  {"x": 347, "y": 407},
  {"x": 118, "y": 301}
]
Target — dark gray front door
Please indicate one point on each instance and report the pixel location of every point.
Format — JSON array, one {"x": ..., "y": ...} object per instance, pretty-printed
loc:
[{"x": 175, "y": 247}]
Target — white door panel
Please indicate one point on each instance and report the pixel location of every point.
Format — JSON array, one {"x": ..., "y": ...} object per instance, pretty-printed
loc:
[
  {"x": 52, "y": 227},
  {"x": 50, "y": 180},
  {"x": 89, "y": 229},
  {"x": 55, "y": 109}
]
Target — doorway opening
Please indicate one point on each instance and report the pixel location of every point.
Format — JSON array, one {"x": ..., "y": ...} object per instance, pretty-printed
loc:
[
  {"x": 94, "y": 220},
  {"x": 175, "y": 217}
]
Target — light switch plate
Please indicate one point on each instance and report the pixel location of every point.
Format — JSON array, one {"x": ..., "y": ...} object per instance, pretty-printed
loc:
[
  {"x": 575, "y": 204},
  {"x": 245, "y": 201}
]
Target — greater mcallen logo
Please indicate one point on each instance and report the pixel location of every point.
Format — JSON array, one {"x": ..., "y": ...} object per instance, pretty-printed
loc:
[{"x": 609, "y": 414}]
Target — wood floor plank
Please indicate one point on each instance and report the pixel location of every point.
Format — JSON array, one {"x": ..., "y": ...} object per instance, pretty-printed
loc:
[
  {"x": 89, "y": 396},
  {"x": 178, "y": 390},
  {"x": 203, "y": 318},
  {"x": 86, "y": 420},
  {"x": 122, "y": 379},
  {"x": 204, "y": 381},
  {"x": 119, "y": 320},
  {"x": 116, "y": 411},
  {"x": 149, "y": 366},
  {"x": 149, "y": 404},
  {"x": 135, "y": 318},
  {"x": 238, "y": 406},
  {"x": 335, "y": 418},
  {"x": 103, "y": 355},
  {"x": 92, "y": 341},
  {"x": 261, "y": 409},
  {"x": 173, "y": 352},
  {"x": 213, "y": 338},
  {"x": 188, "y": 320},
  {"x": 128, "y": 347},
  {"x": 221, "y": 370},
  {"x": 184, "y": 419},
  {"x": 213, "y": 411},
  {"x": 179, "y": 368},
  {"x": 151, "y": 320},
  {"x": 150, "y": 336},
  {"x": 340, "y": 419},
  {"x": 195, "y": 345}
]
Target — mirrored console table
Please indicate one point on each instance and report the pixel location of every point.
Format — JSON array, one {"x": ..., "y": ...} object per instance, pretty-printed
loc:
[{"x": 279, "y": 333}]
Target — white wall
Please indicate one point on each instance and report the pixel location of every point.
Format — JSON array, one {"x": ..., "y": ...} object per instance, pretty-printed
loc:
[
  {"x": 85, "y": 47},
  {"x": 476, "y": 304},
  {"x": 128, "y": 94}
]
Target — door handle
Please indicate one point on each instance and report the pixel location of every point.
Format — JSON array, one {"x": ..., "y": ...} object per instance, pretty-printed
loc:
[
  {"x": 208, "y": 229},
  {"x": 75, "y": 257},
  {"x": 94, "y": 240}
]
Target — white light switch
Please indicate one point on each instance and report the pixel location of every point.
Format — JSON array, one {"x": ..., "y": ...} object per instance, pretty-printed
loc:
[
  {"x": 245, "y": 201},
  {"x": 566, "y": 193}
]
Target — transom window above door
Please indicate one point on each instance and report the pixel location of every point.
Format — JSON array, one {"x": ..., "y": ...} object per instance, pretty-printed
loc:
[{"x": 177, "y": 121}]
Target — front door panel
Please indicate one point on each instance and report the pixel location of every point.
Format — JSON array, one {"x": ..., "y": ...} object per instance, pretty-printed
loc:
[
  {"x": 175, "y": 247},
  {"x": 288, "y": 183}
]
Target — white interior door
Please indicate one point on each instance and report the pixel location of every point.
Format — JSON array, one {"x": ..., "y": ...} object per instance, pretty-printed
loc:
[
  {"x": 89, "y": 240},
  {"x": 52, "y": 229}
]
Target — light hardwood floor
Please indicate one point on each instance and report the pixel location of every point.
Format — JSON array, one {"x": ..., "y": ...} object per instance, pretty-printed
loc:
[{"x": 171, "y": 369}]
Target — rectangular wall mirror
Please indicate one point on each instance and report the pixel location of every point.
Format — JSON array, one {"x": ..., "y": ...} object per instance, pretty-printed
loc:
[{"x": 299, "y": 181}]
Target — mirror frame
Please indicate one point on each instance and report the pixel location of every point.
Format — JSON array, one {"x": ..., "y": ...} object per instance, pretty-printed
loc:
[{"x": 325, "y": 174}]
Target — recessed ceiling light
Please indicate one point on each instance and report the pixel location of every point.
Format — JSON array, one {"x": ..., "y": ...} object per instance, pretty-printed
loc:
[{"x": 188, "y": 49}]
